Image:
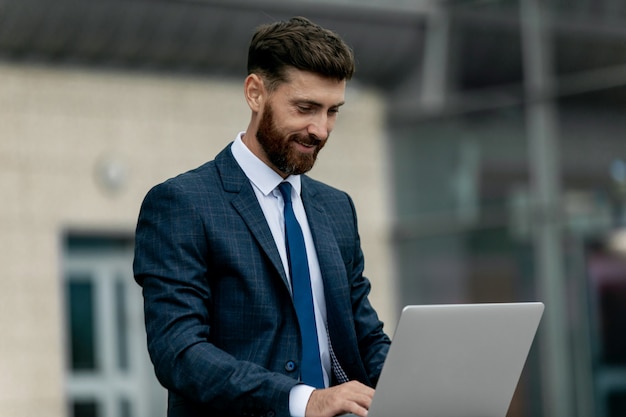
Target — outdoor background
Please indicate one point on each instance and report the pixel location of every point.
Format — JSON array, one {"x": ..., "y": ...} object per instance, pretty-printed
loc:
[{"x": 483, "y": 142}]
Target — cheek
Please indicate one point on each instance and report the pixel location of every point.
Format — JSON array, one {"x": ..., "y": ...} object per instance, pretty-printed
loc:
[
  {"x": 296, "y": 127},
  {"x": 289, "y": 123}
]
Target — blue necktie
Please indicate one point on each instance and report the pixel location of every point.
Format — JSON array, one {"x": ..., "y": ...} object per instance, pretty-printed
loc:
[{"x": 311, "y": 368}]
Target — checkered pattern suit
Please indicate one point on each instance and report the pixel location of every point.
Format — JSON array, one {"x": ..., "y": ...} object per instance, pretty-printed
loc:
[{"x": 222, "y": 330}]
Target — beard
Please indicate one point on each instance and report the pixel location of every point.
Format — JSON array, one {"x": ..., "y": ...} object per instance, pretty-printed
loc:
[{"x": 277, "y": 146}]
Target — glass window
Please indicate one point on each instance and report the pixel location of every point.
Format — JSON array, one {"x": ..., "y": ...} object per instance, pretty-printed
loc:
[
  {"x": 121, "y": 318},
  {"x": 80, "y": 307},
  {"x": 85, "y": 409}
]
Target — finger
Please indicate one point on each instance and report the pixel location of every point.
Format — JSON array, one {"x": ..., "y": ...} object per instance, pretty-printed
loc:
[{"x": 357, "y": 411}]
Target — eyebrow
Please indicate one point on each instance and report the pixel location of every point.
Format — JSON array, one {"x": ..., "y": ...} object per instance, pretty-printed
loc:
[{"x": 315, "y": 103}]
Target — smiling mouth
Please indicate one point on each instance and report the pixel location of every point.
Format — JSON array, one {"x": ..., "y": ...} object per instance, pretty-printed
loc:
[
  {"x": 306, "y": 145},
  {"x": 309, "y": 142},
  {"x": 305, "y": 148}
]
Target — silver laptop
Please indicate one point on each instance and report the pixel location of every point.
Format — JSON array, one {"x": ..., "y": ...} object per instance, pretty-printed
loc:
[{"x": 456, "y": 360}]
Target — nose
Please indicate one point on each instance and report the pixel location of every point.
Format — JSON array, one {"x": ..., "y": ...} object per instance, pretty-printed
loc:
[{"x": 320, "y": 126}]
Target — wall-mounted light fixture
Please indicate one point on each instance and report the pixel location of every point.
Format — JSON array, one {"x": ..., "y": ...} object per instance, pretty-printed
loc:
[{"x": 111, "y": 173}]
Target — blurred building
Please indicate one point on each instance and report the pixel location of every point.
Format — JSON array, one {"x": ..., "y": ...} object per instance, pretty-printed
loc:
[{"x": 482, "y": 141}]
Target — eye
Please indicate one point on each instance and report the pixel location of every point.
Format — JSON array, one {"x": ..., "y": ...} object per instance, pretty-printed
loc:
[
  {"x": 304, "y": 109},
  {"x": 333, "y": 111}
]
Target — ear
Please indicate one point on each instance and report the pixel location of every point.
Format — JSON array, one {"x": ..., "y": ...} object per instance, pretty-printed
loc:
[{"x": 254, "y": 91}]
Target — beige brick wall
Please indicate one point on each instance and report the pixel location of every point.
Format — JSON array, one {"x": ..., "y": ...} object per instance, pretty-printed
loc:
[{"x": 57, "y": 126}]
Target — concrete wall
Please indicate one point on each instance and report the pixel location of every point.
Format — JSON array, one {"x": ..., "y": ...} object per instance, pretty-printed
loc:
[{"x": 63, "y": 130}]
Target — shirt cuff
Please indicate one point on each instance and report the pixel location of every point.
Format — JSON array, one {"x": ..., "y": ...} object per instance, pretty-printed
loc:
[{"x": 298, "y": 399}]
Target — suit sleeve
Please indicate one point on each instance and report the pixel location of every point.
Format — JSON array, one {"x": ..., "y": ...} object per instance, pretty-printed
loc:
[{"x": 171, "y": 265}]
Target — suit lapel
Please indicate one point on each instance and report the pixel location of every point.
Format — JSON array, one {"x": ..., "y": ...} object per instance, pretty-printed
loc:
[
  {"x": 331, "y": 262},
  {"x": 245, "y": 202}
]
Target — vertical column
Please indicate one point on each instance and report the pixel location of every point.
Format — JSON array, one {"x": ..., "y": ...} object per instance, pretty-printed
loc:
[
  {"x": 544, "y": 168},
  {"x": 434, "y": 71}
]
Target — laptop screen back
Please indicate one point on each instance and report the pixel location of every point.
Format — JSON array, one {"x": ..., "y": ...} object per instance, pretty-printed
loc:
[{"x": 457, "y": 360}]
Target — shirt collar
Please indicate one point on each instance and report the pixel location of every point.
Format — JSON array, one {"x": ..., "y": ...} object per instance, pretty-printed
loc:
[{"x": 262, "y": 176}]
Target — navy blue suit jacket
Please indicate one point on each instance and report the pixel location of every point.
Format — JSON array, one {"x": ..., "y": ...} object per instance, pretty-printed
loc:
[{"x": 222, "y": 330}]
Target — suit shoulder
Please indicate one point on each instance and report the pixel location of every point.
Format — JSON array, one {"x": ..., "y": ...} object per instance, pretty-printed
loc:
[
  {"x": 191, "y": 181},
  {"x": 200, "y": 173}
]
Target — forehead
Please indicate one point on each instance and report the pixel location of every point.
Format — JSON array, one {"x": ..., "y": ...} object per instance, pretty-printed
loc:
[{"x": 309, "y": 86}]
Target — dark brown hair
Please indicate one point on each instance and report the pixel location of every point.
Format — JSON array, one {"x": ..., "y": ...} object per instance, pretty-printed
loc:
[{"x": 301, "y": 44}]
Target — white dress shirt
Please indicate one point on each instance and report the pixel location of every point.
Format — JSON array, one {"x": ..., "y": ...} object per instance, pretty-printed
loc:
[{"x": 264, "y": 182}]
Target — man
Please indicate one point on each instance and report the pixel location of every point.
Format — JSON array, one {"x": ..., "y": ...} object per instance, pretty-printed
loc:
[{"x": 240, "y": 319}]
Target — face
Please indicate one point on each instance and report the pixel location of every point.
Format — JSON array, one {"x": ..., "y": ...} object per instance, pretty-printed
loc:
[{"x": 296, "y": 121}]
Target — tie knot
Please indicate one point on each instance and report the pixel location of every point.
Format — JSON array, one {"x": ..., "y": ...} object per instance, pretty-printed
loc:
[{"x": 285, "y": 190}]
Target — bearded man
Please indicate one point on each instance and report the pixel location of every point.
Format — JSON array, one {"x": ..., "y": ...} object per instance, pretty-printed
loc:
[{"x": 252, "y": 272}]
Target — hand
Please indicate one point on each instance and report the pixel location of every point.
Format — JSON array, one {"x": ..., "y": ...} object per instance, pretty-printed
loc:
[{"x": 351, "y": 397}]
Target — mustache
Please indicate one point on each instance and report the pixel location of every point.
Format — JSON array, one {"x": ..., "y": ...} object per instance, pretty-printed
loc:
[{"x": 308, "y": 140}]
